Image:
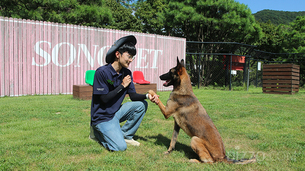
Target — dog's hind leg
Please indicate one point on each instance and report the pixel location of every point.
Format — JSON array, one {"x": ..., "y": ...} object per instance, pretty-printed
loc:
[
  {"x": 174, "y": 138},
  {"x": 199, "y": 147}
]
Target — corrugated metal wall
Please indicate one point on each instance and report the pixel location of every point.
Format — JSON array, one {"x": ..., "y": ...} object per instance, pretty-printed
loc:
[{"x": 49, "y": 58}]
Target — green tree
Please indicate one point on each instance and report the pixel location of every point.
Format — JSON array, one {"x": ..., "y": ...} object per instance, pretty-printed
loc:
[
  {"x": 273, "y": 38},
  {"x": 295, "y": 43},
  {"x": 210, "y": 21},
  {"x": 295, "y": 39},
  {"x": 123, "y": 17},
  {"x": 80, "y": 12},
  {"x": 150, "y": 13},
  {"x": 88, "y": 12}
]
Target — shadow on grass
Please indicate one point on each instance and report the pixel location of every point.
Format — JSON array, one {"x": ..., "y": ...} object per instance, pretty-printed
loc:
[{"x": 164, "y": 141}]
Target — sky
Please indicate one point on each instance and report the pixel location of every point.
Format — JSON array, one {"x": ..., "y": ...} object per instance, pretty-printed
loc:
[{"x": 279, "y": 5}]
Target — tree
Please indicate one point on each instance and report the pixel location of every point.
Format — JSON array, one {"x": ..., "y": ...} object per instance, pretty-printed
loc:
[
  {"x": 113, "y": 14},
  {"x": 210, "y": 21},
  {"x": 80, "y": 12},
  {"x": 295, "y": 43},
  {"x": 295, "y": 38},
  {"x": 273, "y": 38},
  {"x": 150, "y": 13},
  {"x": 90, "y": 13},
  {"x": 123, "y": 17}
]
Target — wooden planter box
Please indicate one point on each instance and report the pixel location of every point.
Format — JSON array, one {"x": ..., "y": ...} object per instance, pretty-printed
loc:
[
  {"x": 143, "y": 88},
  {"x": 84, "y": 92},
  {"x": 281, "y": 78}
]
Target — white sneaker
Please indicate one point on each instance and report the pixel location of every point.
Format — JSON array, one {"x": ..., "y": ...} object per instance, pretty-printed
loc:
[{"x": 132, "y": 142}]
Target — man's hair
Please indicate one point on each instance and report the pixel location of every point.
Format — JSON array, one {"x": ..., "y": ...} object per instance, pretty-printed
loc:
[{"x": 128, "y": 47}]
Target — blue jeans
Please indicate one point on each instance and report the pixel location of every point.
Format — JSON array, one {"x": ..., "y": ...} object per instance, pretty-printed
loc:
[{"x": 111, "y": 135}]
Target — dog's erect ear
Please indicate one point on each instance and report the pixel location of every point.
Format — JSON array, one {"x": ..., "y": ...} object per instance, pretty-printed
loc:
[
  {"x": 182, "y": 62},
  {"x": 178, "y": 63},
  {"x": 179, "y": 67}
]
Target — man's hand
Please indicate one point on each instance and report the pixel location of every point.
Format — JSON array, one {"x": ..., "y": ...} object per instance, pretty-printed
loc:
[
  {"x": 126, "y": 81},
  {"x": 154, "y": 98}
]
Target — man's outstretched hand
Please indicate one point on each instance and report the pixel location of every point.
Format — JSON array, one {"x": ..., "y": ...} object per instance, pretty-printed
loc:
[{"x": 153, "y": 97}]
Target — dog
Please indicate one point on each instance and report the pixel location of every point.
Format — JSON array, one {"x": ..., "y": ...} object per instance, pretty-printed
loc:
[{"x": 192, "y": 118}]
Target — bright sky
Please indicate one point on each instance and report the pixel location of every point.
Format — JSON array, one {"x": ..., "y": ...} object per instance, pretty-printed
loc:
[{"x": 279, "y": 5}]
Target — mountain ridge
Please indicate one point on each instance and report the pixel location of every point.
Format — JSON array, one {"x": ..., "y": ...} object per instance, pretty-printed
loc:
[{"x": 277, "y": 17}]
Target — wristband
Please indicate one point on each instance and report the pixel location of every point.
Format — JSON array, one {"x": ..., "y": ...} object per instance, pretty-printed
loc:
[{"x": 147, "y": 96}]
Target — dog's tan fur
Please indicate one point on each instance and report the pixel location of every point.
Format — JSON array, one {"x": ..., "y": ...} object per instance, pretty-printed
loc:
[{"x": 190, "y": 115}]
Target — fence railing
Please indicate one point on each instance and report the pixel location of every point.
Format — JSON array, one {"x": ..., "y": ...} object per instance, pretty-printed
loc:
[{"x": 209, "y": 64}]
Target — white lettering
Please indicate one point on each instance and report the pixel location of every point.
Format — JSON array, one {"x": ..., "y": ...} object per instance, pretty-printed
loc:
[
  {"x": 42, "y": 53},
  {"x": 142, "y": 59},
  {"x": 87, "y": 54},
  {"x": 55, "y": 54},
  {"x": 155, "y": 61},
  {"x": 142, "y": 56},
  {"x": 100, "y": 55}
]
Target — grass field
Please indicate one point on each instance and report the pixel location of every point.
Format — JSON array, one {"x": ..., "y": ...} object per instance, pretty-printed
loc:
[{"x": 51, "y": 133}]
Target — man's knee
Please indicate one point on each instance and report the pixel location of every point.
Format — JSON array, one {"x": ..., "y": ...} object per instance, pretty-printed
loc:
[
  {"x": 145, "y": 105},
  {"x": 121, "y": 147}
]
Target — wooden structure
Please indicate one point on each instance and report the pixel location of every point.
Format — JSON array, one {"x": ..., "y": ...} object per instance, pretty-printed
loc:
[
  {"x": 281, "y": 78},
  {"x": 84, "y": 92},
  {"x": 143, "y": 88}
]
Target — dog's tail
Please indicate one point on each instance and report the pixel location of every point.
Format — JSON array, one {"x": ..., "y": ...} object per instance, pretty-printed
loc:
[{"x": 242, "y": 161}]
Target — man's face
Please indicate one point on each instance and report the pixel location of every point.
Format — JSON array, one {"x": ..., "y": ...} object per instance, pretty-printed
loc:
[{"x": 125, "y": 59}]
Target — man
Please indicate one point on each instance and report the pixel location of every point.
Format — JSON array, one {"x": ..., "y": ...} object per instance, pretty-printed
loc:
[{"x": 111, "y": 83}]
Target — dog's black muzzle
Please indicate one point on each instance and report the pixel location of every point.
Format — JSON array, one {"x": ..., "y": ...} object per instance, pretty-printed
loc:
[{"x": 165, "y": 76}]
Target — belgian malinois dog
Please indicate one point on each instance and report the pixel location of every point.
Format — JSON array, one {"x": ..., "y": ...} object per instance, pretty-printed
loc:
[{"x": 190, "y": 115}]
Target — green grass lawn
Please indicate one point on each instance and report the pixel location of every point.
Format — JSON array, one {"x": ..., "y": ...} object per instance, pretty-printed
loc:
[{"x": 51, "y": 133}]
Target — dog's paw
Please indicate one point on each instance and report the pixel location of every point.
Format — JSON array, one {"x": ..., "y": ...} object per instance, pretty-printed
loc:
[
  {"x": 166, "y": 152},
  {"x": 194, "y": 161},
  {"x": 151, "y": 92}
]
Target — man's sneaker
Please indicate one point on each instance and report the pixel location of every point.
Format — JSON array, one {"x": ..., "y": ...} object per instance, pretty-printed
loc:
[
  {"x": 91, "y": 135},
  {"x": 132, "y": 142}
]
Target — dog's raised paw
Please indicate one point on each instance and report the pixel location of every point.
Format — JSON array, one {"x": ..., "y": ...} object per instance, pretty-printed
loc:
[{"x": 151, "y": 92}]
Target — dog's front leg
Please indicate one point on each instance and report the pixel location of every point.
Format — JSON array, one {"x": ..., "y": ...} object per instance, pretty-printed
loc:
[
  {"x": 174, "y": 138},
  {"x": 167, "y": 112}
]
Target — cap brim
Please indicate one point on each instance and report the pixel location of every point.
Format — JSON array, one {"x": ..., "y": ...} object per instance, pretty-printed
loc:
[{"x": 110, "y": 56}]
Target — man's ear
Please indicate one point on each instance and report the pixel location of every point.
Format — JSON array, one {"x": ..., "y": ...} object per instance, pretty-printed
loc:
[{"x": 116, "y": 55}]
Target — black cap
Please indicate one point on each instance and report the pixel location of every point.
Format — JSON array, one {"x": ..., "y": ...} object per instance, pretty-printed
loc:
[{"x": 110, "y": 54}]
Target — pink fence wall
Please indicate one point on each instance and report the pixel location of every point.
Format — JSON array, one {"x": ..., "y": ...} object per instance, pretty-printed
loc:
[{"x": 49, "y": 58}]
